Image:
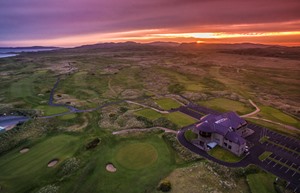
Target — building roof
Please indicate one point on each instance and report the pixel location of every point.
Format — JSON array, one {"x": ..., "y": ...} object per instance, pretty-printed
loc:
[
  {"x": 224, "y": 124},
  {"x": 234, "y": 137}
]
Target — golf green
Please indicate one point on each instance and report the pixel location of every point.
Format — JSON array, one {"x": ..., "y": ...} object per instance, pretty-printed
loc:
[{"x": 136, "y": 156}]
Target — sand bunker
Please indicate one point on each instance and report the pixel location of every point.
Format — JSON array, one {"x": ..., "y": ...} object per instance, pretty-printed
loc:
[
  {"x": 111, "y": 168},
  {"x": 24, "y": 150},
  {"x": 52, "y": 163}
]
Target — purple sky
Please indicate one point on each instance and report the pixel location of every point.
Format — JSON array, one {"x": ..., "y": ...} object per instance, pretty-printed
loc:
[{"x": 25, "y": 20}]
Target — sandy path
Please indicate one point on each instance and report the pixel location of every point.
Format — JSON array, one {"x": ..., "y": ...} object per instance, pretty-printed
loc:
[
  {"x": 157, "y": 110},
  {"x": 257, "y": 109},
  {"x": 144, "y": 129}
]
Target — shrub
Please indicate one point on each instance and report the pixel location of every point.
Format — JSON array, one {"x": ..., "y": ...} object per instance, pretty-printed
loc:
[
  {"x": 49, "y": 189},
  {"x": 165, "y": 186},
  {"x": 164, "y": 122},
  {"x": 176, "y": 88},
  {"x": 69, "y": 166},
  {"x": 92, "y": 144},
  {"x": 146, "y": 121},
  {"x": 123, "y": 109}
]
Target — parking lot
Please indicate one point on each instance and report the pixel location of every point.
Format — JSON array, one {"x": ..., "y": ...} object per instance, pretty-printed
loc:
[{"x": 284, "y": 161}]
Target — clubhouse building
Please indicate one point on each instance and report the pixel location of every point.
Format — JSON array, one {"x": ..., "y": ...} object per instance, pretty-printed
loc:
[{"x": 226, "y": 130}]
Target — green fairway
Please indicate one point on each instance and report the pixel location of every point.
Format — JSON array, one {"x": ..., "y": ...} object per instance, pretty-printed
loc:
[
  {"x": 68, "y": 116},
  {"x": 20, "y": 172},
  {"x": 224, "y": 155},
  {"x": 148, "y": 113},
  {"x": 95, "y": 178},
  {"x": 136, "y": 155},
  {"x": 224, "y": 105},
  {"x": 49, "y": 110},
  {"x": 167, "y": 103},
  {"x": 180, "y": 119},
  {"x": 262, "y": 183},
  {"x": 277, "y": 115}
]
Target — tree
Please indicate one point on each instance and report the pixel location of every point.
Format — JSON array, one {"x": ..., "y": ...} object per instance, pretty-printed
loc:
[{"x": 176, "y": 88}]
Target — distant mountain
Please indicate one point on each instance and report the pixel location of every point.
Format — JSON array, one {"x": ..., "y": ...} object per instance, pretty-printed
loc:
[
  {"x": 164, "y": 44},
  {"x": 271, "y": 51},
  {"x": 222, "y": 46}
]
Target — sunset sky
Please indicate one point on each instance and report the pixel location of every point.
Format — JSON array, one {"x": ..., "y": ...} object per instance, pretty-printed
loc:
[{"x": 76, "y": 22}]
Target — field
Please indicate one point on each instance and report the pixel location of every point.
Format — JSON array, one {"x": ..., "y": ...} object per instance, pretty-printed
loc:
[
  {"x": 276, "y": 115},
  {"x": 224, "y": 105},
  {"x": 180, "y": 119},
  {"x": 167, "y": 103},
  {"x": 148, "y": 113},
  {"x": 49, "y": 110},
  {"x": 17, "y": 168},
  {"x": 94, "y": 76},
  {"x": 261, "y": 182},
  {"x": 130, "y": 170}
]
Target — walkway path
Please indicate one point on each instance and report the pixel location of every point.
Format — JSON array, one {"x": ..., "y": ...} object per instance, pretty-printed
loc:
[
  {"x": 157, "y": 110},
  {"x": 257, "y": 109},
  {"x": 144, "y": 129}
]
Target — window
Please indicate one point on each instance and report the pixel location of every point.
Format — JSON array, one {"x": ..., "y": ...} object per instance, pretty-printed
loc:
[
  {"x": 225, "y": 144},
  {"x": 229, "y": 147}
]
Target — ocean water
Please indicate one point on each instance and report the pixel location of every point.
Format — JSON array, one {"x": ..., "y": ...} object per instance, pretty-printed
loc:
[
  {"x": 7, "y": 55},
  {"x": 4, "y": 52}
]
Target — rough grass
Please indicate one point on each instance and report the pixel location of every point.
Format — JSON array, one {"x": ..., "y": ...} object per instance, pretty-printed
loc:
[
  {"x": 95, "y": 178},
  {"x": 167, "y": 103},
  {"x": 264, "y": 155},
  {"x": 203, "y": 178},
  {"x": 223, "y": 154},
  {"x": 190, "y": 82},
  {"x": 148, "y": 113},
  {"x": 190, "y": 135},
  {"x": 50, "y": 110},
  {"x": 180, "y": 119},
  {"x": 224, "y": 105},
  {"x": 20, "y": 172},
  {"x": 261, "y": 182},
  {"x": 136, "y": 156}
]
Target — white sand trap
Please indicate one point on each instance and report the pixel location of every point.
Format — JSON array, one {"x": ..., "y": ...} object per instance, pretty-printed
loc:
[
  {"x": 24, "y": 150},
  {"x": 52, "y": 163},
  {"x": 111, "y": 168}
]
